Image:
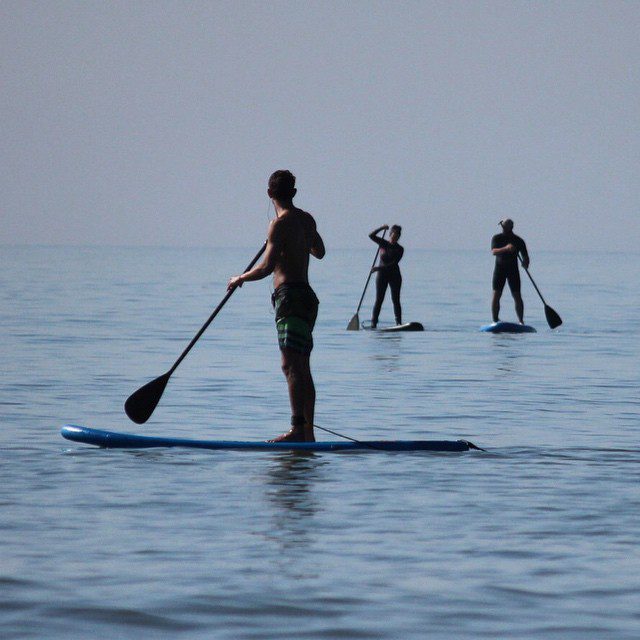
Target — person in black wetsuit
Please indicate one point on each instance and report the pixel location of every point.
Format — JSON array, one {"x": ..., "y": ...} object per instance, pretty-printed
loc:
[
  {"x": 388, "y": 272},
  {"x": 505, "y": 247}
]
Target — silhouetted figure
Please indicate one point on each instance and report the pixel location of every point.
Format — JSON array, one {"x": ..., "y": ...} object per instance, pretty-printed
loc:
[
  {"x": 291, "y": 239},
  {"x": 388, "y": 272},
  {"x": 505, "y": 247}
]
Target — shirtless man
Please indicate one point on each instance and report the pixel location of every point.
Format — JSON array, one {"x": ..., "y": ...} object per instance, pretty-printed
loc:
[
  {"x": 291, "y": 238},
  {"x": 505, "y": 247}
]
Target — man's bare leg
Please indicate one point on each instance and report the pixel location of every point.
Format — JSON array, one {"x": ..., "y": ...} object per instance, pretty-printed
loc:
[
  {"x": 495, "y": 305},
  {"x": 295, "y": 367},
  {"x": 309, "y": 401}
]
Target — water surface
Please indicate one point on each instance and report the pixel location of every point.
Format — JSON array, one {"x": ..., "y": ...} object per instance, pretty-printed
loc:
[{"x": 536, "y": 538}]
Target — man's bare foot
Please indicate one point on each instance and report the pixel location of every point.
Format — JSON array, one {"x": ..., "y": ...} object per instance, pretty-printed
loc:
[{"x": 295, "y": 434}]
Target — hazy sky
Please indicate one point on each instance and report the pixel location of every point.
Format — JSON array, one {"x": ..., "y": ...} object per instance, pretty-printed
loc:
[{"x": 159, "y": 122}]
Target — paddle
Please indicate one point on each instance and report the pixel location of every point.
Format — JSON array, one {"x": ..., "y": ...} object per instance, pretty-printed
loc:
[
  {"x": 354, "y": 323},
  {"x": 553, "y": 319},
  {"x": 141, "y": 403}
]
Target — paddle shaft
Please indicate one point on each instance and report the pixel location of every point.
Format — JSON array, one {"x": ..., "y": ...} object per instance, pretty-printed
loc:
[
  {"x": 214, "y": 314},
  {"x": 370, "y": 274},
  {"x": 535, "y": 286}
]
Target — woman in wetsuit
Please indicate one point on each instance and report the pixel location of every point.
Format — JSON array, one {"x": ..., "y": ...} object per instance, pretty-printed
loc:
[{"x": 388, "y": 271}]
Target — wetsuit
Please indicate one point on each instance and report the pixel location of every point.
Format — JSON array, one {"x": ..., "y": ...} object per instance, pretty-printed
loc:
[
  {"x": 506, "y": 268},
  {"x": 296, "y": 307},
  {"x": 388, "y": 276}
]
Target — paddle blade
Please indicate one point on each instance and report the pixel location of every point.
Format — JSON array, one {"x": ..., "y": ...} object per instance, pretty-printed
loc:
[
  {"x": 354, "y": 323},
  {"x": 553, "y": 318},
  {"x": 141, "y": 403}
]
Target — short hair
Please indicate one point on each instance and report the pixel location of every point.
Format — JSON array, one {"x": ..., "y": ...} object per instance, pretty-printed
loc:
[
  {"x": 282, "y": 184},
  {"x": 397, "y": 228}
]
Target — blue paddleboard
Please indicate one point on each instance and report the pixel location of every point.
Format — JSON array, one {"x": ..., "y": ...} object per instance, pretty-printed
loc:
[
  {"x": 507, "y": 327},
  {"x": 113, "y": 440}
]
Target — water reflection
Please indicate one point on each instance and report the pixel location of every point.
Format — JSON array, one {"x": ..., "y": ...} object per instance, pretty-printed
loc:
[
  {"x": 390, "y": 358},
  {"x": 508, "y": 350},
  {"x": 290, "y": 484}
]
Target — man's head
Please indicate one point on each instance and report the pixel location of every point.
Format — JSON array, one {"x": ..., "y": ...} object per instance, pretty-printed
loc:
[
  {"x": 282, "y": 185},
  {"x": 507, "y": 225},
  {"x": 394, "y": 232}
]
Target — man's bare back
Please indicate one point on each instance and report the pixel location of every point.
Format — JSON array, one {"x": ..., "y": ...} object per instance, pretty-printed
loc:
[{"x": 294, "y": 236}]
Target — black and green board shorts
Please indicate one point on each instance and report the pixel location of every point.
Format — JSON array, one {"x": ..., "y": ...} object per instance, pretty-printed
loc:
[{"x": 296, "y": 307}]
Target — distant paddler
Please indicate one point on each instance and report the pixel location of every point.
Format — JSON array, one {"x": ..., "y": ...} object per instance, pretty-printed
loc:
[
  {"x": 292, "y": 237},
  {"x": 505, "y": 247},
  {"x": 388, "y": 272}
]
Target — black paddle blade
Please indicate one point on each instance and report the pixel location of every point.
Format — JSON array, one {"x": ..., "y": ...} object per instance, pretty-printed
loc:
[
  {"x": 354, "y": 323},
  {"x": 553, "y": 318},
  {"x": 141, "y": 403}
]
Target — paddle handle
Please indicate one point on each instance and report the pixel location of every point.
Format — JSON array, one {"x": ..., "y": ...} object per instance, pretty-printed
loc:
[
  {"x": 373, "y": 264},
  {"x": 214, "y": 314}
]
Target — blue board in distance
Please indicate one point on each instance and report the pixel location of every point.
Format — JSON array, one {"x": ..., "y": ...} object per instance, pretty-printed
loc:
[
  {"x": 114, "y": 440},
  {"x": 507, "y": 327}
]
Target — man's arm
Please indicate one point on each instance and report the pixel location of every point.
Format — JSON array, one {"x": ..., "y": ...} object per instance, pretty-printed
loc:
[
  {"x": 510, "y": 248},
  {"x": 496, "y": 251},
  {"x": 268, "y": 264},
  {"x": 317, "y": 249}
]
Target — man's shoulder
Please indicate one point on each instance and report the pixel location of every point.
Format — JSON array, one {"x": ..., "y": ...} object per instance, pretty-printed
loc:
[
  {"x": 294, "y": 212},
  {"x": 288, "y": 223},
  {"x": 303, "y": 213},
  {"x": 306, "y": 217}
]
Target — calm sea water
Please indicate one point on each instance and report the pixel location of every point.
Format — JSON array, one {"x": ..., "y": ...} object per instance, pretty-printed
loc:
[{"x": 536, "y": 538}]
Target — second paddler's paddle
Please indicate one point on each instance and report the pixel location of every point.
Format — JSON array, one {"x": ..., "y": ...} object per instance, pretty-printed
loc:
[
  {"x": 553, "y": 319},
  {"x": 354, "y": 323},
  {"x": 141, "y": 403}
]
